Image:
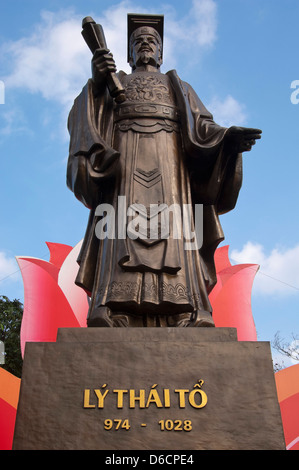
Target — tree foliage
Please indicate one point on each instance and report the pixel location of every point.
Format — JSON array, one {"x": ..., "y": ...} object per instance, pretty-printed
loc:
[{"x": 11, "y": 312}]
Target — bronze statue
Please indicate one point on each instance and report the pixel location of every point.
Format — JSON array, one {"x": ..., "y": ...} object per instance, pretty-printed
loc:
[{"x": 154, "y": 146}]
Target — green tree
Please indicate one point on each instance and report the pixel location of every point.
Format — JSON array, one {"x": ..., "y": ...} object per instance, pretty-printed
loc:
[{"x": 11, "y": 312}]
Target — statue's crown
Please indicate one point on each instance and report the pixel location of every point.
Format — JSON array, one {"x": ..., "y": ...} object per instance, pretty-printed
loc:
[{"x": 145, "y": 24}]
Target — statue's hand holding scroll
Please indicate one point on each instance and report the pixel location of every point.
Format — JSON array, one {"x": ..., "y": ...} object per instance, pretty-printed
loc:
[
  {"x": 241, "y": 139},
  {"x": 102, "y": 65}
]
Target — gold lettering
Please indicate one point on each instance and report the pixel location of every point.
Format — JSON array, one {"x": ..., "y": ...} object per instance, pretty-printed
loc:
[
  {"x": 203, "y": 400},
  {"x": 153, "y": 397},
  {"x": 120, "y": 397},
  {"x": 181, "y": 393},
  {"x": 166, "y": 398},
  {"x": 86, "y": 402},
  {"x": 137, "y": 398},
  {"x": 140, "y": 398},
  {"x": 101, "y": 397}
]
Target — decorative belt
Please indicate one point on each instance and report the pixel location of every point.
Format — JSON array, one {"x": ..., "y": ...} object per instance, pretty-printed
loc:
[{"x": 146, "y": 110}]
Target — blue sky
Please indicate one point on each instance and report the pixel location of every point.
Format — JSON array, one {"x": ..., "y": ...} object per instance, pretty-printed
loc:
[{"x": 240, "y": 56}]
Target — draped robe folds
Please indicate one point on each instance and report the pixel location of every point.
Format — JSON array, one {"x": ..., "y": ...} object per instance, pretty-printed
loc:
[{"x": 188, "y": 162}]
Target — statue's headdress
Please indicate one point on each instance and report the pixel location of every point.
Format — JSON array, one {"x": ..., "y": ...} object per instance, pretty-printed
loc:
[{"x": 145, "y": 24}]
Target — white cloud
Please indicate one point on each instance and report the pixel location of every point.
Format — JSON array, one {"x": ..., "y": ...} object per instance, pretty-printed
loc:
[
  {"x": 227, "y": 112},
  {"x": 55, "y": 61},
  {"x": 8, "y": 268},
  {"x": 279, "y": 270},
  {"x": 187, "y": 37},
  {"x": 13, "y": 120},
  {"x": 204, "y": 21},
  {"x": 198, "y": 27}
]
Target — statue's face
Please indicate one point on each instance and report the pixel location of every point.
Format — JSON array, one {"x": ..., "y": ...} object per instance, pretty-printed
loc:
[{"x": 145, "y": 49}]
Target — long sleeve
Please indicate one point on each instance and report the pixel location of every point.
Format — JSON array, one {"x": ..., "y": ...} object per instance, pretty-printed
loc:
[
  {"x": 215, "y": 174},
  {"x": 91, "y": 158}
]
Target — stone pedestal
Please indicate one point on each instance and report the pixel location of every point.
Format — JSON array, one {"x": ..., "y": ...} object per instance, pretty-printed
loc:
[{"x": 148, "y": 389}]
